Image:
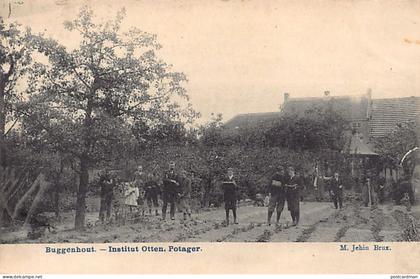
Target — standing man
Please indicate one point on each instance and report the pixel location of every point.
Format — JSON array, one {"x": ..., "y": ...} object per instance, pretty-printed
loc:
[
  {"x": 151, "y": 192},
  {"x": 229, "y": 187},
  {"x": 106, "y": 182},
  {"x": 293, "y": 184},
  {"x": 171, "y": 189},
  {"x": 277, "y": 195},
  {"x": 336, "y": 189},
  {"x": 185, "y": 195}
]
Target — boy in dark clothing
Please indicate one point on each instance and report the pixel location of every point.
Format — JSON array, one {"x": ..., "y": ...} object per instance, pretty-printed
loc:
[
  {"x": 336, "y": 189},
  {"x": 151, "y": 192},
  {"x": 171, "y": 189},
  {"x": 277, "y": 195},
  {"x": 294, "y": 185},
  {"x": 229, "y": 187},
  {"x": 106, "y": 182}
]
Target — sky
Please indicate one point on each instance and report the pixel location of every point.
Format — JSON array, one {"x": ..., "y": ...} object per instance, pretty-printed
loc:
[{"x": 242, "y": 56}]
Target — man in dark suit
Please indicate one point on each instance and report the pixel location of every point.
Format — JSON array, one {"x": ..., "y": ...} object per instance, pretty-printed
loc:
[
  {"x": 107, "y": 184},
  {"x": 171, "y": 190},
  {"x": 336, "y": 190},
  {"x": 151, "y": 193},
  {"x": 293, "y": 186},
  {"x": 229, "y": 187},
  {"x": 277, "y": 195}
]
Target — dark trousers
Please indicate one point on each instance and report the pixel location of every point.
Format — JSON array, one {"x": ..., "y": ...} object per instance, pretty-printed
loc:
[
  {"x": 171, "y": 199},
  {"x": 293, "y": 204},
  {"x": 337, "y": 197},
  {"x": 276, "y": 202},
  {"x": 230, "y": 204},
  {"x": 105, "y": 208},
  {"x": 381, "y": 195},
  {"x": 151, "y": 199}
]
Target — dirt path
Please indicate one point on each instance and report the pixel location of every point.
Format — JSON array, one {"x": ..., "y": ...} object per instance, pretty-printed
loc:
[{"x": 320, "y": 222}]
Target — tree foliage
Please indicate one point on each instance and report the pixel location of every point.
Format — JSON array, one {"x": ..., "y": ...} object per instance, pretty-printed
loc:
[
  {"x": 86, "y": 99},
  {"x": 396, "y": 143},
  {"x": 318, "y": 129},
  {"x": 15, "y": 56}
]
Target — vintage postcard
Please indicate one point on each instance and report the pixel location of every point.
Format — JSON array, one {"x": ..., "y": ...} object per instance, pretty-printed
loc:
[{"x": 272, "y": 137}]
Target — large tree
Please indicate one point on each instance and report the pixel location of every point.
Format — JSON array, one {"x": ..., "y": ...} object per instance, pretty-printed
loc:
[
  {"x": 14, "y": 59},
  {"x": 91, "y": 92}
]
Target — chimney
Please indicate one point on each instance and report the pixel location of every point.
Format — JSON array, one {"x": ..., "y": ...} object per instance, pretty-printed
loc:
[
  {"x": 326, "y": 93},
  {"x": 286, "y": 97}
]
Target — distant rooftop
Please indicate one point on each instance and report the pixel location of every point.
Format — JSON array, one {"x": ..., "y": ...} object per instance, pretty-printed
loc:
[
  {"x": 351, "y": 107},
  {"x": 387, "y": 113},
  {"x": 383, "y": 114},
  {"x": 250, "y": 120}
]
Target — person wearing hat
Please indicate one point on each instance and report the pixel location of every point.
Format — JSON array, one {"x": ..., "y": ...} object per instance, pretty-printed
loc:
[
  {"x": 171, "y": 190},
  {"x": 229, "y": 187},
  {"x": 293, "y": 186},
  {"x": 277, "y": 195}
]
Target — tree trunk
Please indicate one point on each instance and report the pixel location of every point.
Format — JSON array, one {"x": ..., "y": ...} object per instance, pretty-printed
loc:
[
  {"x": 57, "y": 201},
  {"x": 2, "y": 123},
  {"x": 79, "y": 223},
  {"x": 57, "y": 190}
]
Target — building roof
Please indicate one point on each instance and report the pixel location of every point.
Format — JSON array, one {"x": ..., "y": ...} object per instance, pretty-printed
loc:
[
  {"x": 384, "y": 114},
  {"x": 387, "y": 113},
  {"x": 251, "y": 120},
  {"x": 351, "y": 107}
]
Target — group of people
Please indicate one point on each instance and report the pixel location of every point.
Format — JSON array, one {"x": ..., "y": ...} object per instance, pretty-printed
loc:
[
  {"x": 175, "y": 190},
  {"x": 143, "y": 190},
  {"x": 287, "y": 187}
]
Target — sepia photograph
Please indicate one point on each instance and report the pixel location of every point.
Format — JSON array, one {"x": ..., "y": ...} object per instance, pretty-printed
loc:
[{"x": 139, "y": 121}]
